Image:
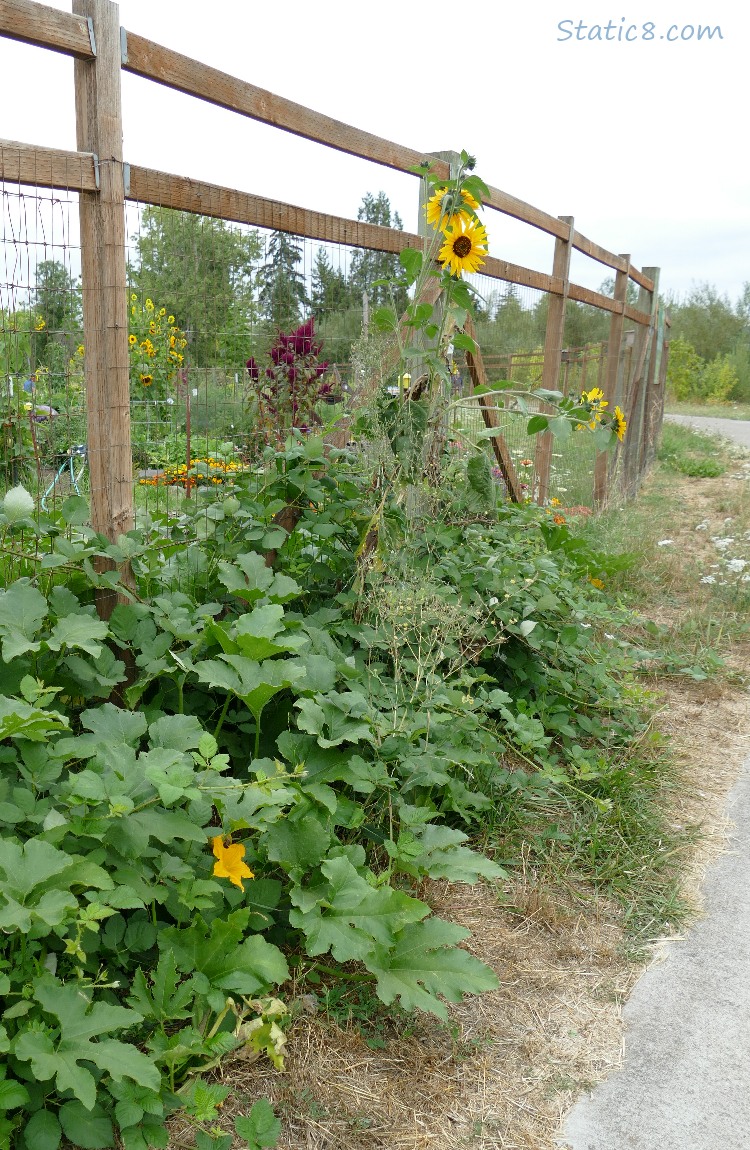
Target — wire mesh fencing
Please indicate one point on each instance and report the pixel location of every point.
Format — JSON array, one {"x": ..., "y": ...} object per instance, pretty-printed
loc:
[{"x": 42, "y": 393}]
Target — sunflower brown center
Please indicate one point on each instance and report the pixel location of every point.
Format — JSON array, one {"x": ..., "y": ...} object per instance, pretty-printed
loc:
[{"x": 462, "y": 247}]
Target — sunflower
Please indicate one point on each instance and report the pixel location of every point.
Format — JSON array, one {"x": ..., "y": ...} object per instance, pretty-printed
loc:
[
  {"x": 147, "y": 380},
  {"x": 595, "y": 396},
  {"x": 437, "y": 216},
  {"x": 170, "y": 319},
  {"x": 132, "y": 339},
  {"x": 465, "y": 247},
  {"x": 620, "y": 424}
]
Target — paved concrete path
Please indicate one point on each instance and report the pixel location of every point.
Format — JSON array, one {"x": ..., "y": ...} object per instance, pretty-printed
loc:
[
  {"x": 685, "y": 1080},
  {"x": 738, "y": 430}
]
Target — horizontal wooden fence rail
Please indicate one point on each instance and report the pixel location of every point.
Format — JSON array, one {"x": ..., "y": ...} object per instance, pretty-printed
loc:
[
  {"x": 47, "y": 27},
  {"x": 47, "y": 167},
  {"x": 52, "y": 168}
]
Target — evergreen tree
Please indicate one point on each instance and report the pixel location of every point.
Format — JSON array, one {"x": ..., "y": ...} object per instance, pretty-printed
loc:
[
  {"x": 367, "y": 267},
  {"x": 282, "y": 294},
  {"x": 330, "y": 291}
]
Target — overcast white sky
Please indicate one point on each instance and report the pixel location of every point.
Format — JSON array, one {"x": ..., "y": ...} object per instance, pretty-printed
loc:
[{"x": 644, "y": 142}]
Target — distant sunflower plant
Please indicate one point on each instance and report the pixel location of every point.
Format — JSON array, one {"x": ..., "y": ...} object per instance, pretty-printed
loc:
[
  {"x": 429, "y": 334},
  {"x": 157, "y": 350},
  {"x": 438, "y": 327}
]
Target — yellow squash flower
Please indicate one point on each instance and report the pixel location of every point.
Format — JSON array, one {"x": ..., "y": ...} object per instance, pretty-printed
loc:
[
  {"x": 437, "y": 216},
  {"x": 465, "y": 247},
  {"x": 229, "y": 862}
]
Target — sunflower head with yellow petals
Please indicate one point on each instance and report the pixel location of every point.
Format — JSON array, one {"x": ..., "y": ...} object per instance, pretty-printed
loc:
[
  {"x": 439, "y": 214},
  {"x": 464, "y": 248}
]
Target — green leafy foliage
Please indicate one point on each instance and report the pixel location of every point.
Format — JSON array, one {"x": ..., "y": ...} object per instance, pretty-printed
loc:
[{"x": 325, "y": 680}]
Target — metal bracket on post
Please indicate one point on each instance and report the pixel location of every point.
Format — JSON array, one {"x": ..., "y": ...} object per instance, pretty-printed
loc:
[
  {"x": 123, "y": 46},
  {"x": 126, "y": 179},
  {"x": 92, "y": 37},
  {"x": 96, "y": 172}
]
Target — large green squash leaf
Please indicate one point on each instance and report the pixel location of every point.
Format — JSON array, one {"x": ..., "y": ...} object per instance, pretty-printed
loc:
[
  {"x": 425, "y": 963},
  {"x": 79, "y": 1022},
  {"x": 351, "y": 918}
]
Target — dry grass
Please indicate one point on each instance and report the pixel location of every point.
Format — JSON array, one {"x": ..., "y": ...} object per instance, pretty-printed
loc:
[
  {"x": 514, "y": 1061},
  {"x": 506, "y": 1071}
]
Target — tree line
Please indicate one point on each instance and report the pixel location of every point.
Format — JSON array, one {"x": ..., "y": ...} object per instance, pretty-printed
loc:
[
  {"x": 231, "y": 293},
  {"x": 709, "y": 350}
]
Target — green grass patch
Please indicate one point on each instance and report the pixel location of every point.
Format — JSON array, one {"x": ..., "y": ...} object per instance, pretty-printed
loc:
[{"x": 692, "y": 453}]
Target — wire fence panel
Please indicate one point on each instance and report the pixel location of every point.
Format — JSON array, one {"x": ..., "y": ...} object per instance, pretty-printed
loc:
[
  {"x": 248, "y": 319},
  {"x": 41, "y": 343}
]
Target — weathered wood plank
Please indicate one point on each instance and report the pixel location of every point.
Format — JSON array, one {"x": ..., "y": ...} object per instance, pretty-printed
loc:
[
  {"x": 553, "y": 346},
  {"x": 487, "y": 403},
  {"x": 594, "y": 298},
  {"x": 46, "y": 27},
  {"x": 527, "y": 213},
  {"x": 637, "y": 314},
  {"x": 105, "y": 307},
  {"x": 589, "y": 248},
  {"x": 606, "y": 303},
  {"x": 614, "y": 379},
  {"x": 516, "y": 274},
  {"x": 183, "y": 194},
  {"x": 156, "y": 62},
  {"x": 642, "y": 279},
  {"x": 46, "y": 167}
]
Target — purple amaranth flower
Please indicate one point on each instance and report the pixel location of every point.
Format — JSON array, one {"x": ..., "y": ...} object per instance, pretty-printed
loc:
[
  {"x": 303, "y": 339},
  {"x": 252, "y": 369}
]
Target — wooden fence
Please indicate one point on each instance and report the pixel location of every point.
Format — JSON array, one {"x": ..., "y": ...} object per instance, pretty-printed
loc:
[{"x": 630, "y": 368}]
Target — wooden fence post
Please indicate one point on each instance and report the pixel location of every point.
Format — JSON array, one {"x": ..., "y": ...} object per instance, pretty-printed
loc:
[
  {"x": 103, "y": 275},
  {"x": 613, "y": 388},
  {"x": 553, "y": 346},
  {"x": 651, "y": 403}
]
